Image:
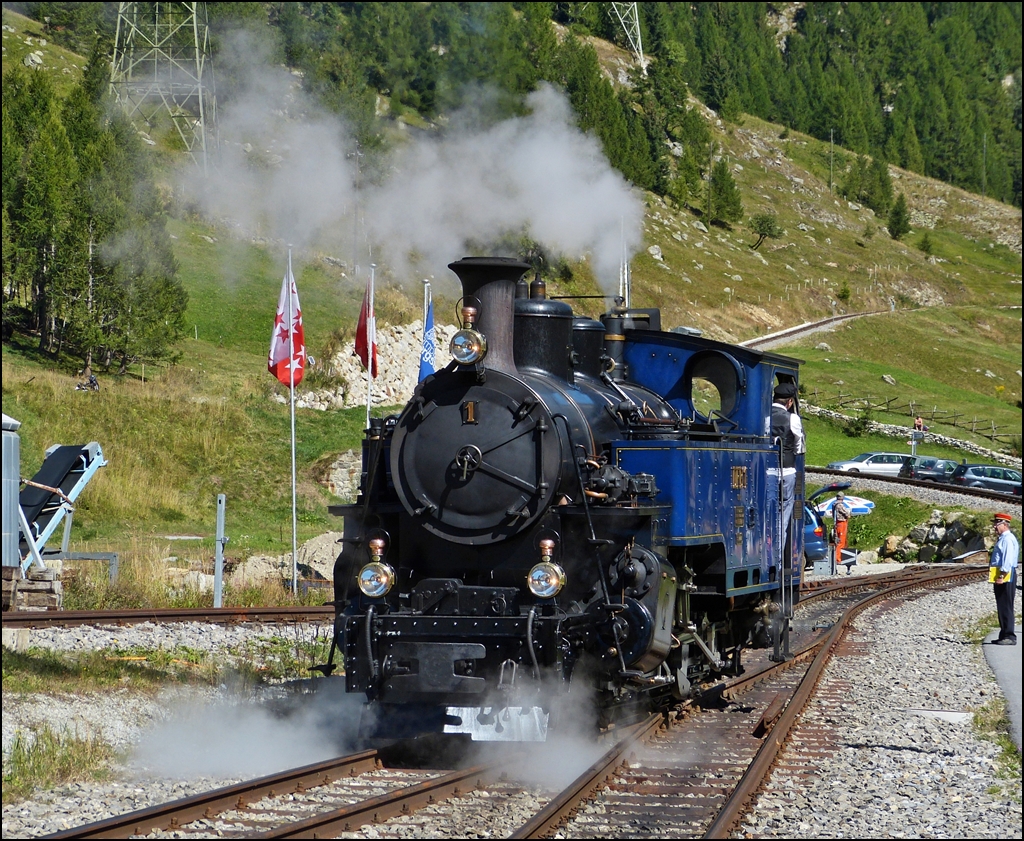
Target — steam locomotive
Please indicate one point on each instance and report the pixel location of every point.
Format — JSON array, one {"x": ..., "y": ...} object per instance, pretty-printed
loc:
[{"x": 577, "y": 518}]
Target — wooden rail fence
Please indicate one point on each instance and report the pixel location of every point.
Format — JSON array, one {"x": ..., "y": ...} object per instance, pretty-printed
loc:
[{"x": 984, "y": 427}]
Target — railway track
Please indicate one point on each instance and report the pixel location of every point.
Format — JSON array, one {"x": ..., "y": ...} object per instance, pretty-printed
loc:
[
  {"x": 688, "y": 774},
  {"x": 910, "y": 484},
  {"x": 216, "y": 616}
]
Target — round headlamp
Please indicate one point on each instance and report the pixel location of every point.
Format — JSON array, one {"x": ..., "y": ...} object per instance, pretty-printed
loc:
[
  {"x": 546, "y": 579},
  {"x": 468, "y": 346},
  {"x": 376, "y": 579}
]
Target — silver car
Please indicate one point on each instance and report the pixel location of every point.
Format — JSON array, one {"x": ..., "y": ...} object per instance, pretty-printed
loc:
[
  {"x": 987, "y": 476},
  {"x": 879, "y": 464}
]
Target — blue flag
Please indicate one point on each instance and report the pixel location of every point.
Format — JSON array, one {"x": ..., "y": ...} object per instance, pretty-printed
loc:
[{"x": 429, "y": 345}]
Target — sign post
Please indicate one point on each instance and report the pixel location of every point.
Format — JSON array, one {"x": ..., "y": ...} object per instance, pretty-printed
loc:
[{"x": 915, "y": 436}]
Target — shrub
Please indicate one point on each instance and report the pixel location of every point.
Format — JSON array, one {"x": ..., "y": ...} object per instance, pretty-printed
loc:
[{"x": 857, "y": 427}]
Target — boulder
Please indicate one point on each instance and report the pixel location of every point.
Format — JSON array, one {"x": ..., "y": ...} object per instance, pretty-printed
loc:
[
  {"x": 908, "y": 548},
  {"x": 868, "y": 557},
  {"x": 953, "y": 550}
]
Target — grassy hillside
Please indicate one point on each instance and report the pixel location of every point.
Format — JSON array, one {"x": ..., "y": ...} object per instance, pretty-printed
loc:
[
  {"x": 176, "y": 436},
  {"x": 63, "y": 66}
]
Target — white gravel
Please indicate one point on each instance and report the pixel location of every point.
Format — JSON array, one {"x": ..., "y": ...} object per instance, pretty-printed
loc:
[{"x": 198, "y": 636}]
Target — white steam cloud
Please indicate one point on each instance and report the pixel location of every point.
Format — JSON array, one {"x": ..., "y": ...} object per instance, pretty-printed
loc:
[
  {"x": 288, "y": 172},
  {"x": 536, "y": 174},
  {"x": 241, "y": 739}
]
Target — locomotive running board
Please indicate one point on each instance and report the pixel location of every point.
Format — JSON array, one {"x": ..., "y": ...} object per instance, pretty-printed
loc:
[{"x": 508, "y": 724}]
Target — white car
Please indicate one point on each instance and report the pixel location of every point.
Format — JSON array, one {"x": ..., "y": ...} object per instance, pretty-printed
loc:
[{"x": 878, "y": 464}]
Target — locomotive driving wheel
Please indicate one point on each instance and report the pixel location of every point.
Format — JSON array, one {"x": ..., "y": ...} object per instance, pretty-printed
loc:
[{"x": 476, "y": 463}]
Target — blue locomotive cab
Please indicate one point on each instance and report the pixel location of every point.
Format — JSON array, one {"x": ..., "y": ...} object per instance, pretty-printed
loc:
[{"x": 720, "y": 481}]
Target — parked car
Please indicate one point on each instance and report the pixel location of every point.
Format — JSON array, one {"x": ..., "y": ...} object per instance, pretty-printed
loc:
[
  {"x": 816, "y": 546},
  {"x": 987, "y": 476},
  {"x": 927, "y": 469},
  {"x": 879, "y": 464}
]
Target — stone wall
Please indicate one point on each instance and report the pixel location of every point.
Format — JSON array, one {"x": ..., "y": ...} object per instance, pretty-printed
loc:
[
  {"x": 343, "y": 475},
  {"x": 35, "y": 590}
]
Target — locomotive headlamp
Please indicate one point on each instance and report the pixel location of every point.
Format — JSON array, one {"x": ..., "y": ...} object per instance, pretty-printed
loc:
[
  {"x": 546, "y": 579},
  {"x": 468, "y": 346},
  {"x": 376, "y": 579}
]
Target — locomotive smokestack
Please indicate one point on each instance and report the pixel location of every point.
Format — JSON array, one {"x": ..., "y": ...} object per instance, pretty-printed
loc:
[{"x": 489, "y": 283}]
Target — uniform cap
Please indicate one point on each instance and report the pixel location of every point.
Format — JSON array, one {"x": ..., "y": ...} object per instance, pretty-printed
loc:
[
  {"x": 1002, "y": 518},
  {"x": 841, "y": 495},
  {"x": 785, "y": 390}
]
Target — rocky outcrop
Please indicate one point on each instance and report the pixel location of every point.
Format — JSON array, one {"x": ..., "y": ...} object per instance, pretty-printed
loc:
[
  {"x": 943, "y": 537},
  {"x": 315, "y": 560}
]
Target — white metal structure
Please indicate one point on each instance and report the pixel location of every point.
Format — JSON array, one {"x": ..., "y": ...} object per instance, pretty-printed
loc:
[
  {"x": 629, "y": 17},
  {"x": 160, "y": 65}
]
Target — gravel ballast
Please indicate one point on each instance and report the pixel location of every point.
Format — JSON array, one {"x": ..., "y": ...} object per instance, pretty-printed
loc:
[
  {"x": 899, "y": 772},
  {"x": 907, "y": 765}
]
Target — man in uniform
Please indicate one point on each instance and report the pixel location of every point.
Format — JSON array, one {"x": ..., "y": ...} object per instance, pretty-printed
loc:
[{"x": 1003, "y": 575}]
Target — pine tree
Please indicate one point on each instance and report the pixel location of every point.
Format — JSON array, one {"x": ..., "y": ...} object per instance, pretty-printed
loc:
[
  {"x": 878, "y": 187},
  {"x": 899, "y": 218},
  {"x": 45, "y": 221},
  {"x": 912, "y": 159},
  {"x": 726, "y": 204}
]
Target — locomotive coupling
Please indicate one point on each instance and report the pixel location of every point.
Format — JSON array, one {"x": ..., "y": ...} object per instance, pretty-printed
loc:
[{"x": 766, "y": 607}]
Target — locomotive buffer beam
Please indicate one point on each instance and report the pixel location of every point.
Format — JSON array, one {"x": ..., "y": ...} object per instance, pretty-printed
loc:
[{"x": 436, "y": 667}]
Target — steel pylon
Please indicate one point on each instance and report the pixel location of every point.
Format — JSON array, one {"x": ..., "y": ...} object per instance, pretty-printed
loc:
[
  {"x": 162, "y": 64},
  {"x": 629, "y": 17}
]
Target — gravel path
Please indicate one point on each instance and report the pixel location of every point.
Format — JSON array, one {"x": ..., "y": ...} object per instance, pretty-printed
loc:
[{"x": 899, "y": 773}]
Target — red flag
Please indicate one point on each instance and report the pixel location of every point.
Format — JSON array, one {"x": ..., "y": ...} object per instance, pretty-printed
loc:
[
  {"x": 281, "y": 363},
  {"x": 366, "y": 332}
]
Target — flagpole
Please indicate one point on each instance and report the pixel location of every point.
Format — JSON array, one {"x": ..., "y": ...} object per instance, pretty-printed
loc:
[
  {"x": 291, "y": 378},
  {"x": 371, "y": 337},
  {"x": 426, "y": 301}
]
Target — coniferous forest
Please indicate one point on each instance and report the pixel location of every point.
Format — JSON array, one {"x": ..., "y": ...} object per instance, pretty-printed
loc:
[{"x": 931, "y": 87}]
